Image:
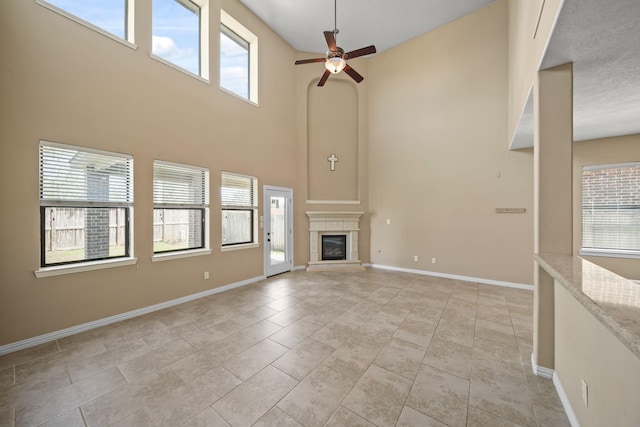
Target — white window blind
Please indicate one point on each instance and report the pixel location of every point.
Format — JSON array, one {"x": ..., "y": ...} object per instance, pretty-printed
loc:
[
  {"x": 86, "y": 199},
  {"x": 238, "y": 191},
  {"x": 71, "y": 175},
  {"x": 611, "y": 208},
  {"x": 239, "y": 200},
  {"x": 180, "y": 185}
]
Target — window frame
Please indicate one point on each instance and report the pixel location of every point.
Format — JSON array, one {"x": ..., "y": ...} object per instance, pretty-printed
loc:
[
  {"x": 603, "y": 252},
  {"x": 129, "y": 24},
  {"x": 251, "y": 39},
  {"x": 242, "y": 43},
  {"x": 50, "y": 269},
  {"x": 43, "y": 232},
  {"x": 253, "y": 212},
  {"x": 203, "y": 206},
  {"x": 203, "y": 42}
]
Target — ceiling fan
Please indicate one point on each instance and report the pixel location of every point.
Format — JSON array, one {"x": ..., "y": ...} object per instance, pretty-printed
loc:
[{"x": 336, "y": 58}]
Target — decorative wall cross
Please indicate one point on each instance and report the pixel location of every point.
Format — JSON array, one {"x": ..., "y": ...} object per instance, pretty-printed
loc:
[{"x": 332, "y": 159}]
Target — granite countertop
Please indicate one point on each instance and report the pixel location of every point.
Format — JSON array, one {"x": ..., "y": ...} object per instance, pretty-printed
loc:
[{"x": 612, "y": 299}]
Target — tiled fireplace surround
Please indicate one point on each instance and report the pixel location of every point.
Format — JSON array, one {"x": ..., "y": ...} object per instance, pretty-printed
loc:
[{"x": 333, "y": 222}]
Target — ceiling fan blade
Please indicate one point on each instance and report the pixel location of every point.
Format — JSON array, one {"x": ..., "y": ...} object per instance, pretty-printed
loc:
[
  {"x": 361, "y": 52},
  {"x": 309, "y": 61},
  {"x": 324, "y": 78},
  {"x": 353, "y": 73},
  {"x": 331, "y": 40}
]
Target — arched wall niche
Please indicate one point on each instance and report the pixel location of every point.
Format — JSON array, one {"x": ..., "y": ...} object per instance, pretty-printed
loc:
[{"x": 332, "y": 128}]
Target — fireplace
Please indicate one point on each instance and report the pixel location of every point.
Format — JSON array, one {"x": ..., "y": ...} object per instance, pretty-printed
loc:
[
  {"x": 334, "y": 247},
  {"x": 333, "y": 241}
]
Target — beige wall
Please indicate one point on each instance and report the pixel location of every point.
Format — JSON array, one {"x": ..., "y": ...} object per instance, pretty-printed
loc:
[
  {"x": 553, "y": 144},
  {"x": 63, "y": 82},
  {"x": 530, "y": 25},
  {"x": 429, "y": 153},
  {"x": 339, "y": 108},
  {"x": 585, "y": 349},
  {"x": 439, "y": 164},
  {"x": 597, "y": 152},
  {"x": 332, "y": 114}
]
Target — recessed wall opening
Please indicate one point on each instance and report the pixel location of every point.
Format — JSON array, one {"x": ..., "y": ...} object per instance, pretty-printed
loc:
[{"x": 334, "y": 247}]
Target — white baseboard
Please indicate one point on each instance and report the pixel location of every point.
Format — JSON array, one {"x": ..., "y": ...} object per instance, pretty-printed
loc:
[
  {"x": 540, "y": 371},
  {"x": 551, "y": 374},
  {"x": 41, "y": 339},
  {"x": 573, "y": 420},
  {"x": 454, "y": 276}
]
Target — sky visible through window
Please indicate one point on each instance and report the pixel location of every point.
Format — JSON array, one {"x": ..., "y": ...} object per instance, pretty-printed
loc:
[
  {"x": 176, "y": 36},
  {"x": 176, "y": 33},
  {"x": 106, "y": 14},
  {"x": 234, "y": 65}
]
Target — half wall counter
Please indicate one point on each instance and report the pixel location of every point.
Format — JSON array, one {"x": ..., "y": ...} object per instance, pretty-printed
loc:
[{"x": 596, "y": 336}]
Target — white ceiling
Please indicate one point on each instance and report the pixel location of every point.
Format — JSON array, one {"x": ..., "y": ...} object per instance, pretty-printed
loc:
[
  {"x": 383, "y": 23},
  {"x": 601, "y": 38}
]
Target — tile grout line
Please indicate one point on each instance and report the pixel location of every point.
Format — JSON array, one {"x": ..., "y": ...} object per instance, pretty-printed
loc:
[
  {"x": 84, "y": 418},
  {"x": 363, "y": 298},
  {"x": 327, "y": 367},
  {"x": 422, "y": 364}
]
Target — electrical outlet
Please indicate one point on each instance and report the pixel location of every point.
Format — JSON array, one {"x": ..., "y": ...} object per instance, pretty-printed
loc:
[
  {"x": 206, "y": 275},
  {"x": 415, "y": 258},
  {"x": 433, "y": 260},
  {"x": 388, "y": 221},
  {"x": 585, "y": 393}
]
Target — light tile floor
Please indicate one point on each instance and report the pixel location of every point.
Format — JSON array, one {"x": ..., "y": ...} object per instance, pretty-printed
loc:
[{"x": 371, "y": 348}]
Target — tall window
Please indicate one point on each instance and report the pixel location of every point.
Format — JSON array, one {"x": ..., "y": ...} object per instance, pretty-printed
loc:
[
  {"x": 180, "y": 34},
  {"x": 112, "y": 16},
  {"x": 239, "y": 200},
  {"x": 611, "y": 210},
  {"x": 234, "y": 62},
  {"x": 180, "y": 207},
  {"x": 86, "y": 198},
  {"x": 238, "y": 58}
]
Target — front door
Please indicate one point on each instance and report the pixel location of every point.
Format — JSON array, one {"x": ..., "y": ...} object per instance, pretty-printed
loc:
[{"x": 278, "y": 230}]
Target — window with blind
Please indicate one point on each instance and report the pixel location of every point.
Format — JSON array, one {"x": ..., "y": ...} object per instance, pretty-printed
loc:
[
  {"x": 611, "y": 210},
  {"x": 86, "y": 199},
  {"x": 180, "y": 207},
  {"x": 239, "y": 200}
]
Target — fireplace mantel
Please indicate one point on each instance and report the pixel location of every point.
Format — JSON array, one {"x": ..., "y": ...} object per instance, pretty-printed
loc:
[{"x": 334, "y": 222}]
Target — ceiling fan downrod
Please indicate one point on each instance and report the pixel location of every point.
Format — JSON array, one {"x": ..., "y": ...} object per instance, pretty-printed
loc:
[
  {"x": 335, "y": 20},
  {"x": 336, "y": 58}
]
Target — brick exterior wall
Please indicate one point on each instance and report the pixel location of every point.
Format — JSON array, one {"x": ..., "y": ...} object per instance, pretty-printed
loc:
[
  {"x": 195, "y": 228},
  {"x": 611, "y": 186},
  {"x": 611, "y": 208},
  {"x": 97, "y": 219}
]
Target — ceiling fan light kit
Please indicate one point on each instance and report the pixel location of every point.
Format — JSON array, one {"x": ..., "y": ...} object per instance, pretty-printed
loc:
[
  {"x": 336, "y": 59},
  {"x": 335, "y": 64}
]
